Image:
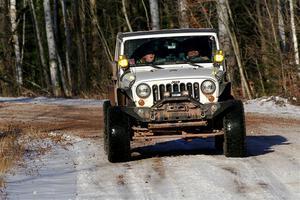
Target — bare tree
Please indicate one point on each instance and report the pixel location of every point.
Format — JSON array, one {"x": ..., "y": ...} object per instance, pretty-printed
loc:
[
  {"x": 225, "y": 13},
  {"x": 146, "y": 13},
  {"x": 93, "y": 10},
  {"x": 293, "y": 27},
  {"x": 126, "y": 16},
  {"x": 276, "y": 44},
  {"x": 224, "y": 37},
  {"x": 40, "y": 45},
  {"x": 55, "y": 21},
  {"x": 154, "y": 14},
  {"x": 183, "y": 16},
  {"x": 23, "y": 33},
  {"x": 62, "y": 76},
  {"x": 261, "y": 27},
  {"x": 15, "y": 38},
  {"x": 68, "y": 42},
  {"x": 79, "y": 72},
  {"x": 51, "y": 48},
  {"x": 281, "y": 25}
]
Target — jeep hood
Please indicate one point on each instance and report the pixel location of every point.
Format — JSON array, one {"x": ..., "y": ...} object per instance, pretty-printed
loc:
[{"x": 173, "y": 74}]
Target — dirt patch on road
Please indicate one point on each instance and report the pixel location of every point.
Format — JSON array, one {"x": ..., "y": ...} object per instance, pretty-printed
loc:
[
  {"x": 83, "y": 121},
  {"x": 87, "y": 121},
  {"x": 256, "y": 123}
]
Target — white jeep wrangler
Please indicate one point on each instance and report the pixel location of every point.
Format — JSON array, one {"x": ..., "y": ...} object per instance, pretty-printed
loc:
[{"x": 181, "y": 92}]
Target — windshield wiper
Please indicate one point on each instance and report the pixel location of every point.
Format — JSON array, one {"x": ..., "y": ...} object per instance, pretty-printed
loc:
[
  {"x": 190, "y": 63},
  {"x": 149, "y": 64},
  {"x": 155, "y": 66},
  {"x": 193, "y": 64}
]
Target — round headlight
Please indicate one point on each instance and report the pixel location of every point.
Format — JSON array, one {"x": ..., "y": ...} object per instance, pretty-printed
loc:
[
  {"x": 208, "y": 87},
  {"x": 143, "y": 90},
  {"x": 127, "y": 80}
]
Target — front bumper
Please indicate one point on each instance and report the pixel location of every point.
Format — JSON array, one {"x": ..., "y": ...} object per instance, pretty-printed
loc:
[{"x": 178, "y": 109}]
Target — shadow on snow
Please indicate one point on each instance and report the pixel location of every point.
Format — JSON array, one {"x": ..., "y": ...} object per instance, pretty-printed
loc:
[{"x": 256, "y": 146}]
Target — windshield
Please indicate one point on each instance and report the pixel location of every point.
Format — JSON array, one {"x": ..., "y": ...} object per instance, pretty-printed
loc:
[{"x": 170, "y": 50}]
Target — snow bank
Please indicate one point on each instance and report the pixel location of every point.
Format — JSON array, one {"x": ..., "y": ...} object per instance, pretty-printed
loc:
[
  {"x": 275, "y": 106},
  {"x": 56, "y": 101}
]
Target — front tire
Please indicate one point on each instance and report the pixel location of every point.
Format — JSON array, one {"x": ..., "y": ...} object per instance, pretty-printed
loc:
[
  {"x": 118, "y": 148},
  {"x": 219, "y": 142},
  {"x": 234, "y": 131}
]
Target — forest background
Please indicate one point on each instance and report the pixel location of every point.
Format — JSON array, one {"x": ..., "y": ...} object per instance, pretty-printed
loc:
[{"x": 65, "y": 47}]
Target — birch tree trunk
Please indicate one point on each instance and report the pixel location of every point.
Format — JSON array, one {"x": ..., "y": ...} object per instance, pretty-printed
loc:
[
  {"x": 51, "y": 49},
  {"x": 146, "y": 13},
  {"x": 68, "y": 42},
  {"x": 224, "y": 37},
  {"x": 40, "y": 45},
  {"x": 293, "y": 27},
  {"x": 126, "y": 16},
  {"x": 154, "y": 14},
  {"x": 15, "y": 40},
  {"x": 281, "y": 25},
  {"x": 183, "y": 17},
  {"x": 23, "y": 33}
]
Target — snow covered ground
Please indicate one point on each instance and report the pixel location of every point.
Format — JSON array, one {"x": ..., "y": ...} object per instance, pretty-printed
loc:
[
  {"x": 81, "y": 170},
  {"x": 275, "y": 106},
  {"x": 49, "y": 176},
  {"x": 52, "y": 101}
]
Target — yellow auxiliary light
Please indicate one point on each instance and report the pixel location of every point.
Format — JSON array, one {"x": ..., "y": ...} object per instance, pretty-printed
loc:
[
  {"x": 123, "y": 62},
  {"x": 219, "y": 56}
]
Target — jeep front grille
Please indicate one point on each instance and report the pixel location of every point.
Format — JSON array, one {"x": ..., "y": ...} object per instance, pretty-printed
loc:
[{"x": 175, "y": 90}]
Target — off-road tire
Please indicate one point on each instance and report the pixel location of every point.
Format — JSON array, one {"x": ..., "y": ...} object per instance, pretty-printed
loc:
[
  {"x": 105, "y": 107},
  {"x": 118, "y": 135},
  {"x": 219, "y": 142},
  {"x": 234, "y": 131}
]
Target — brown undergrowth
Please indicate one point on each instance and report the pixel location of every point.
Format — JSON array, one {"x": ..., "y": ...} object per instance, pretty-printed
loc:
[
  {"x": 10, "y": 150},
  {"x": 16, "y": 143}
]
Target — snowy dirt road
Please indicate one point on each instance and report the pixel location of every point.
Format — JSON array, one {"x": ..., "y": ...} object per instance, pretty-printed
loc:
[{"x": 167, "y": 170}]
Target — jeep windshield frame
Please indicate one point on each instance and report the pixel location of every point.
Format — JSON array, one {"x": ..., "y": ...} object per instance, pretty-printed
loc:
[{"x": 170, "y": 50}]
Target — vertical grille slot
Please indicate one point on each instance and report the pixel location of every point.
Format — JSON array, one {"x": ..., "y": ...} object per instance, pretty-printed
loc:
[
  {"x": 162, "y": 89},
  {"x": 175, "y": 88},
  {"x": 196, "y": 91},
  {"x": 169, "y": 88},
  {"x": 190, "y": 88},
  {"x": 155, "y": 93},
  {"x": 182, "y": 87}
]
